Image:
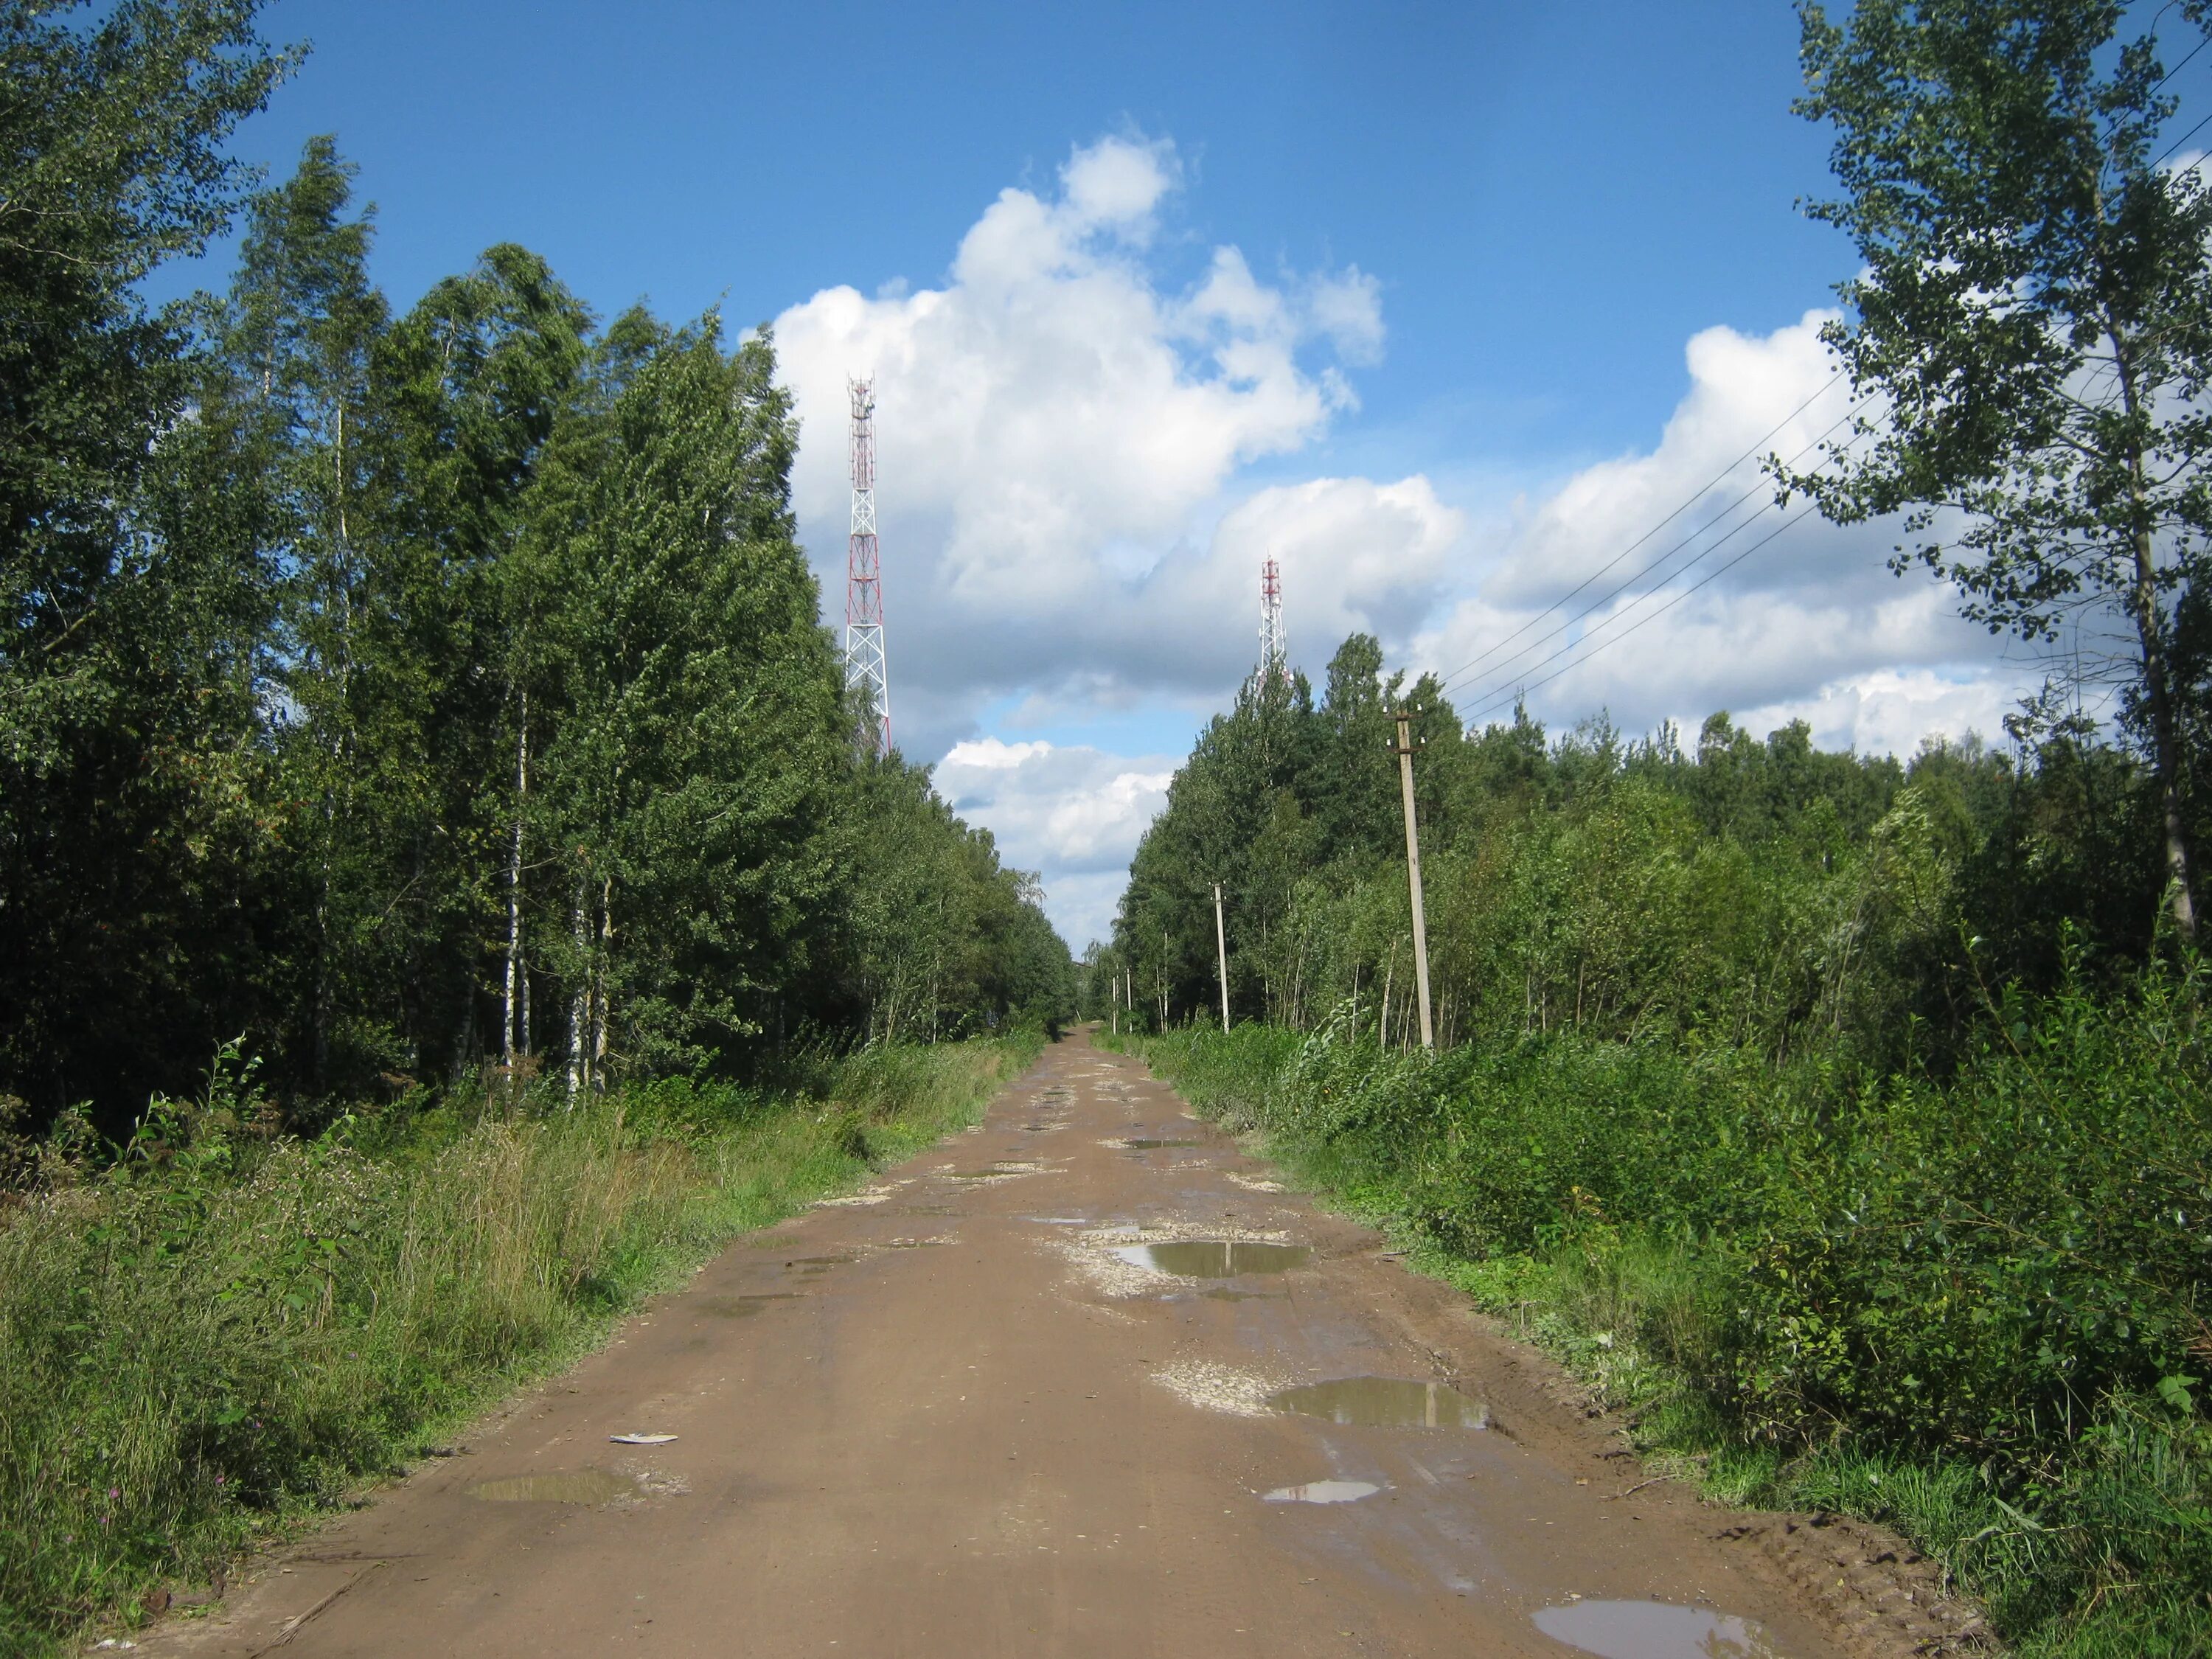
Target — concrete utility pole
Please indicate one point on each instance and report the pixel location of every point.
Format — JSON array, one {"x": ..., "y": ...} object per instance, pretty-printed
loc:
[
  {"x": 1405, "y": 718},
  {"x": 1221, "y": 945}
]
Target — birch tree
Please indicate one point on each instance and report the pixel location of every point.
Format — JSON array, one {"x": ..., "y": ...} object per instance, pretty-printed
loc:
[{"x": 2034, "y": 312}]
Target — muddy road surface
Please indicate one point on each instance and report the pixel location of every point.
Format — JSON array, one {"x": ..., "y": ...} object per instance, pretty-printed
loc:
[{"x": 1081, "y": 1382}]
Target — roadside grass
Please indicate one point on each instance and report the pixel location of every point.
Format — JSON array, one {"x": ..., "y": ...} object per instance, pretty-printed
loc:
[
  {"x": 216, "y": 1336},
  {"x": 1944, "y": 1310}
]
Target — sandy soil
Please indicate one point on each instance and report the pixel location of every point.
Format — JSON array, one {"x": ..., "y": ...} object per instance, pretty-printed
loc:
[{"x": 964, "y": 1414}]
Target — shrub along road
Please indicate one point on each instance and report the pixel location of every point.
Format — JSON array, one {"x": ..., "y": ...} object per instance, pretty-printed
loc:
[{"x": 978, "y": 1410}]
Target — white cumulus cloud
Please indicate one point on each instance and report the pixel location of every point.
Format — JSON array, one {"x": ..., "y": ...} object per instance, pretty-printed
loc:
[
  {"x": 1726, "y": 600},
  {"x": 1074, "y": 814},
  {"x": 1060, "y": 427}
]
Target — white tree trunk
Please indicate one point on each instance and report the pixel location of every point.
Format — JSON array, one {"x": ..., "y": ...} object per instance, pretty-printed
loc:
[
  {"x": 580, "y": 1004},
  {"x": 518, "y": 989}
]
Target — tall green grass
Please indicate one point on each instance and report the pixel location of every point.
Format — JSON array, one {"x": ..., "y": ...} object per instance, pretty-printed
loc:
[
  {"x": 220, "y": 1331},
  {"x": 1972, "y": 1308}
]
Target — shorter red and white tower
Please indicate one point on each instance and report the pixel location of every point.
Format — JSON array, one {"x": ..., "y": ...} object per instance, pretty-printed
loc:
[
  {"x": 1274, "y": 657},
  {"x": 864, "y": 667}
]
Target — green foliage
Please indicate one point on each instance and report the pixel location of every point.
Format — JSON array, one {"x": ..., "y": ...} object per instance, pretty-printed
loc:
[
  {"x": 224, "y": 1328},
  {"x": 401, "y": 691},
  {"x": 2030, "y": 325},
  {"x": 128, "y": 769}
]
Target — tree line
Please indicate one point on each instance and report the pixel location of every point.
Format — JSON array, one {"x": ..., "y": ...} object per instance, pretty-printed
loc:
[
  {"x": 2026, "y": 341},
  {"x": 409, "y": 689},
  {"x": 1754, "y": 891}
]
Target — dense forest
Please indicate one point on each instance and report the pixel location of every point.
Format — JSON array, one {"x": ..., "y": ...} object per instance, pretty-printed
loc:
[
  {"x": 391, "y": 692},
  {"x": 1752, "y": 891}
]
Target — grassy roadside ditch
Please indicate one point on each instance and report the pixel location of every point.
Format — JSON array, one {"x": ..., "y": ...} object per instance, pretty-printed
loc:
[
  {"x": 216, "y": 1334},
  {"x": 1969, "y": 1309}
]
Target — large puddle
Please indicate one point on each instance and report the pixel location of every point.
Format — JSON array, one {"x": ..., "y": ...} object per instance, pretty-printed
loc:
[
  {"x": 1214, "y": 1258},
  {"x": 574, "y": 1486},
  {"x": 1384, "y": 1402},
  {"x": 1324, "y": 1491},
  {"x": 1655, "y": 1630}
]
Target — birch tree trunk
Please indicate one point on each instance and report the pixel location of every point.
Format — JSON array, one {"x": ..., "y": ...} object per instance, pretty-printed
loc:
[
  {"x": 580, "y": 1003},
  {"x": 518, "y": 991}
]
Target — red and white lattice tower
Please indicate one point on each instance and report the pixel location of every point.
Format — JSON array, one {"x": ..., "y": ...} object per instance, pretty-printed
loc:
[
  {"x": 1274, "y": 657},
  {"x": 864, "y": 581}
]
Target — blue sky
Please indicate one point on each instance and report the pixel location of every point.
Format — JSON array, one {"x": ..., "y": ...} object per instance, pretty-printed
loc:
[{"x": 1441, "y": 305}]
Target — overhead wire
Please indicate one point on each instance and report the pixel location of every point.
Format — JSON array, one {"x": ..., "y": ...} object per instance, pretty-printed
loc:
[
  {"x": 1690, "y": 501},
  {"x": 1582, "y": 650},
  {"x": 1522, "y": 689},
  {"x": 1459, "y": 675},
  {"x": 1589, "y": 646}
]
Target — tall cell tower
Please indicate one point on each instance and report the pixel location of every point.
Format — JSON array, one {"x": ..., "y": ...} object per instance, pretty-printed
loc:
[
  {"x": 864, "y": 581},
  {"x": 1274, "y": 656}
]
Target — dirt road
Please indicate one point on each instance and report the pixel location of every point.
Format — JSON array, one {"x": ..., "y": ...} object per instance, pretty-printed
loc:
[{"x": 975, "y": 1412}]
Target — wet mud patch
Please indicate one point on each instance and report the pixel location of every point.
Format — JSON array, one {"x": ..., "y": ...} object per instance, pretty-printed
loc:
[
  {"x": 1383, "y": 1402},
  {"x": 586, "y": 1486},
  {"x": 1214, "y": 1258},
  {"x": 1655, "y": 1630},
  {"x": 743, "y": 1307},
  {"x": 1003, "y": 1169},
  {"x": 813, "y": 1269}
]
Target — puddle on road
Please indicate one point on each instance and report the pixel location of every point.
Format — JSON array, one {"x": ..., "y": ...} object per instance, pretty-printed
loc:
[
  {"x": 1223, "y": 1293},
  {"x": 1324, "y": 1491},
  {"x": 574, "y": 1486},
  {"x": 1384, "y": 1402},
  {"x": 820, "y": 1264},
  {"x": 1154, "y": 1145},
  {"x": 743, "y": 1307},
  {"x": 927, "y": 1209},
  {"x": 1214, "y": 1258},
  {"x": 1655, "y": 1630}
]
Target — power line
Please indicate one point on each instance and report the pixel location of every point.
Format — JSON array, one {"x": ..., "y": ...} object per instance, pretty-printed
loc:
[
  {"x": 1501, "y": 691},
  {"x": 1460, "y": 674},
  {"x": 1690, "y": 501},
  {"x": 2202, "y": 43},
  {"x": 2175, "y": 148},
  {"x": 1522, "y": 689}
]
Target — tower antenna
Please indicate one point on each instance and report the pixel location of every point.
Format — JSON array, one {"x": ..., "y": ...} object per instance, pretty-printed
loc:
[
  {"x": 864, "y": 595},
  {"x": 1274, "y": 658}
]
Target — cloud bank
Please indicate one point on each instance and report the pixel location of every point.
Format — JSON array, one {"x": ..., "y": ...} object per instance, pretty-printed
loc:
[
  {"x": 1057, "y": 427},
  {"x": 1067, "y": 425},
  {"x": 1734, "y": 603}
]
